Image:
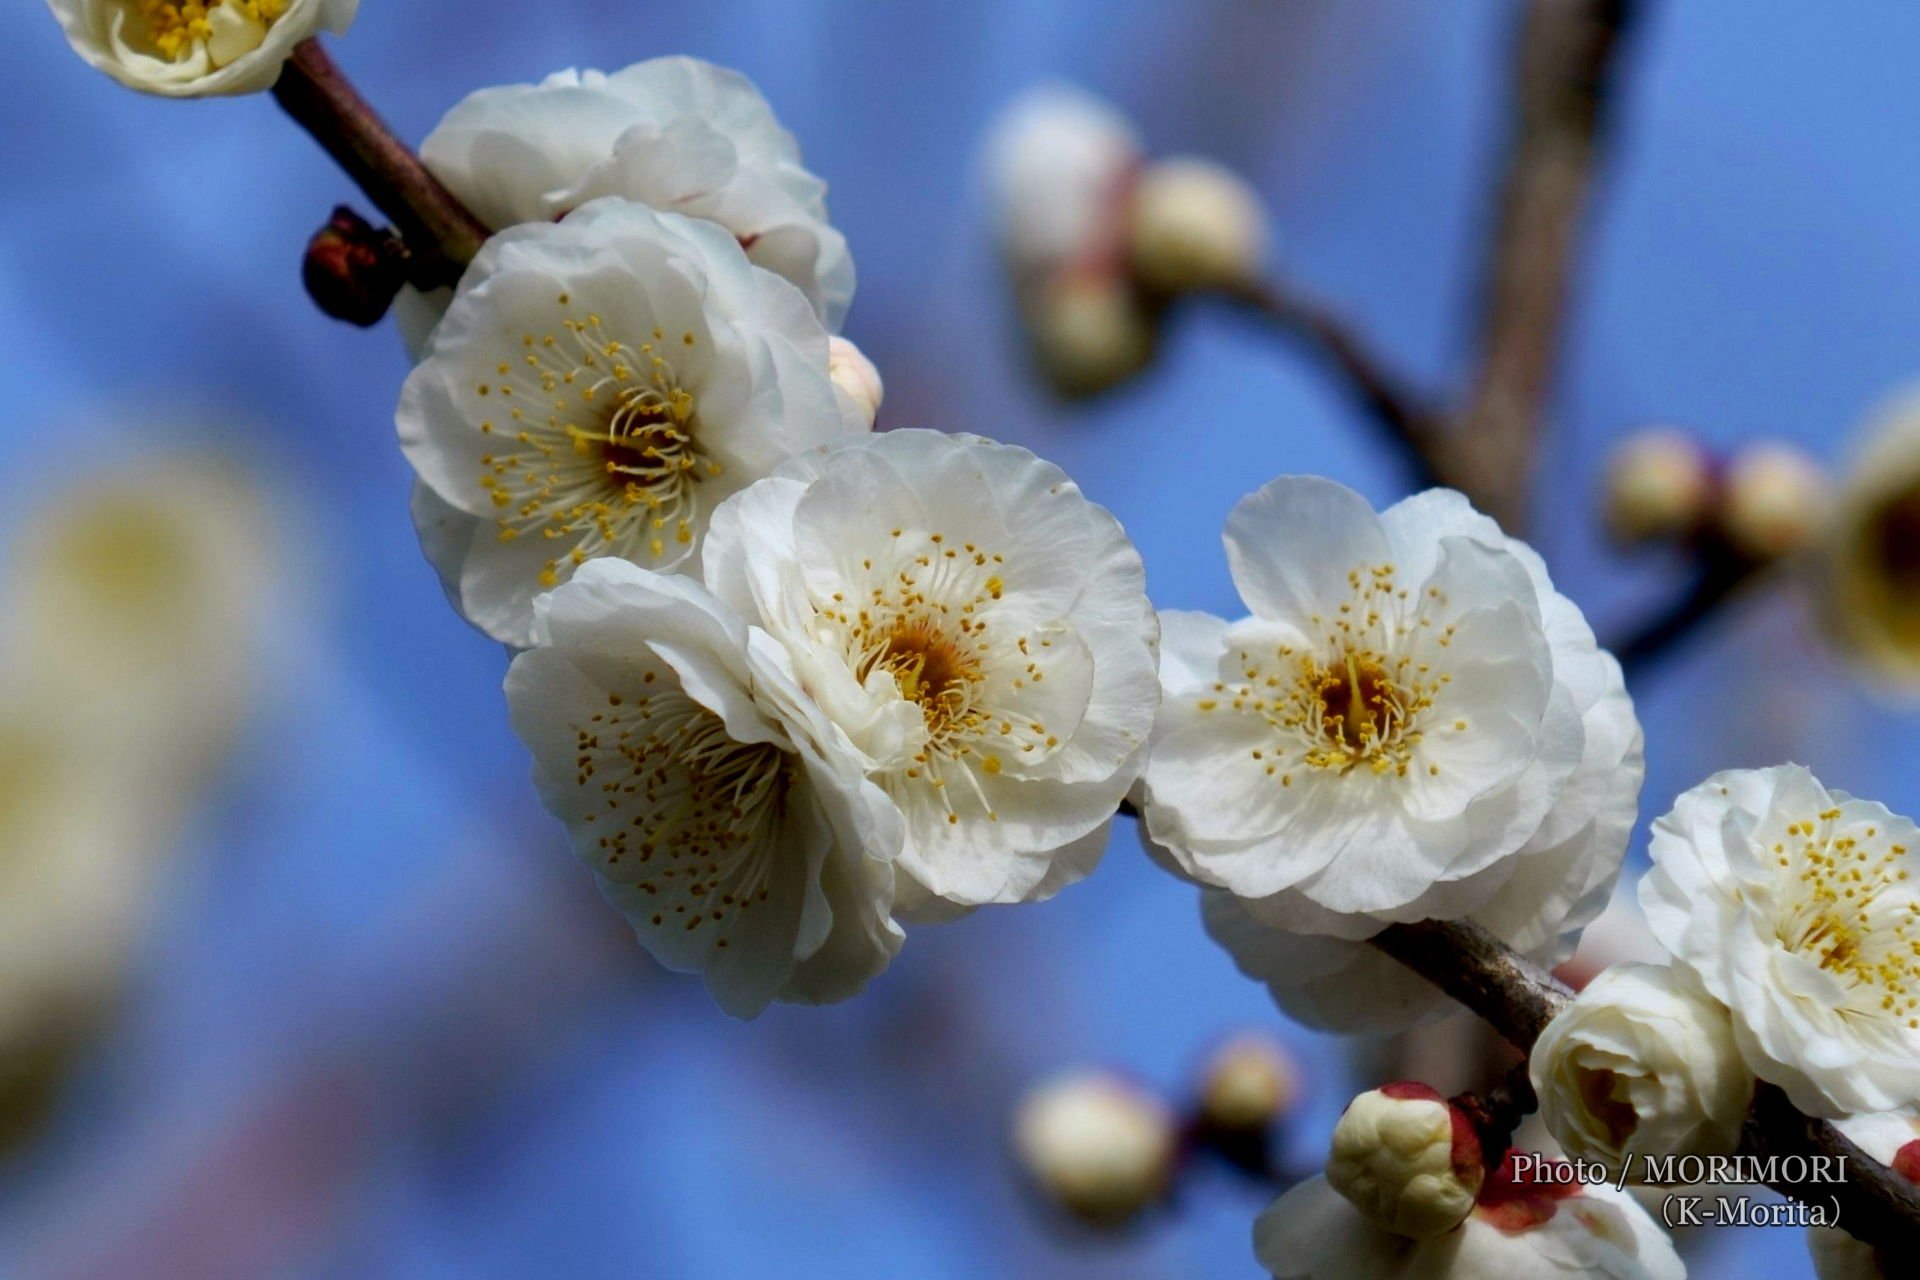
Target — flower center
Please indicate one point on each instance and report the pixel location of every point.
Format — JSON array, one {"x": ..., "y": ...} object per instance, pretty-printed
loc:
[
  {"x": 1854, "y": 916},
  {"x": 923, "y": 611},
  {"x": 929, "y": 668},
  {"x": 692, "y": 815},
  {"x": 178, "y": 27},
  {"x": 601, "y": 444},
  {"x": 1358, "y": 697},
  {"x": 1361, "y": 712}
]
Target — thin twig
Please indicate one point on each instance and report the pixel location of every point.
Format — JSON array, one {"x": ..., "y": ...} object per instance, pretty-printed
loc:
[
  {"x": 1717, "y": 580},
  {"x": 1406, "y": 424},
  {"x": 441, "y": 235},
  {"x": 1518, "y": 998}
]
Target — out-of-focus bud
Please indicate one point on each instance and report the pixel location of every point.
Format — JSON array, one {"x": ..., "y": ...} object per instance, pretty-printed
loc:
[
  {"x": 1194, "y": 224},
  {"x": 1408, "y": 1160},
  {"x": 1096, "y": 1145},
  {"x": 1059, "y": 165},
  {"x": 1659, "y": 486},
  {"x": 1774, "y": 501},
  {"x": 855, "y": 377},
  {"x": 1090, "y": 332},
  {"x": 1249, "y": 1083}
]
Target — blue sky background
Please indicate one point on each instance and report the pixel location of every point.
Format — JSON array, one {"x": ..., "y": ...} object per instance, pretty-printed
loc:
[{"x": 383, "y": 1028}]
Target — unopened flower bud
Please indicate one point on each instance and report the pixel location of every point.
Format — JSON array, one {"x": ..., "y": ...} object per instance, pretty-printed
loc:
[
  {"x": 855, "y": 378},
  {"x": 1090, "y": 332},
  {"x": 1247, "y": 1084},
  {"x": 1408, "y": 1160},
  {"x": 1641, "y": 1064},
  {"x": 1659, "y": 485},
  {"x": 1194, "y": 224},
  {"x": 1774, "y": 501},
  {"x": 1096, "y": 1145},
  {"x": 353, "y": 269}
]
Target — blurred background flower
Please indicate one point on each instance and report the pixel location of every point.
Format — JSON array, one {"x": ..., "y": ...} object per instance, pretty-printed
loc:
[{"x": 372, "y": 1022}]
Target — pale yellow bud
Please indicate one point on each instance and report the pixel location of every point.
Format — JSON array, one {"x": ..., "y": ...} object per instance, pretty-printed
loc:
[
  {"x": 1659, "y": 486},
  {"x": 1194, "y": 224},
  {"x": 855, "y": 378},
  {"x": 1090, "y": 333},
  {"x": 1247, "y": 1084},
  {"x": 1096, "y": 1146},
  {"x": 1775, "y": 501}
]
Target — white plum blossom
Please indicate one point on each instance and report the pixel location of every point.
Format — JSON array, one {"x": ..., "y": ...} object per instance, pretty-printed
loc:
[
  {"x": 80, "y": 845},
  {"x": 1641, "y": 1064},
  {"x": 1096, "y": 1145},
  {"x": 677, "y": 134},
  {"x": 196, "y": 48},
  {"x": 977, "y": 628},
  {"x": 1407, "y": 1159},
  {"x": 724, "y": 817},
  {"x": 137, "y": 604},
  {"x": 597, "y": 387},
  {"x": 1413, "y": 724},
  {"x": 1515, "y": 1232},
  {"x": 1892, "y": 1138},
  {"x": 1795, "y": 907}
]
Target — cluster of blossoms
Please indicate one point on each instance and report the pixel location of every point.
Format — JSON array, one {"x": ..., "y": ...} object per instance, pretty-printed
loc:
[
  {"x": 1792, "y": 918},
  {"x": 790, "y": 684},
  {"x": 1407, "y": 1192},
  {"x": 787, "y": 682}
]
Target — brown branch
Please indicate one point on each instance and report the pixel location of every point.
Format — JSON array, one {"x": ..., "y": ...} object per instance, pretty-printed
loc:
[
  {"x": 440, "y": 233},
  {"x": 1519, "y": 998},
  {"x": 1511, "y": 993},
  {"x": 1566, "y": 48}
]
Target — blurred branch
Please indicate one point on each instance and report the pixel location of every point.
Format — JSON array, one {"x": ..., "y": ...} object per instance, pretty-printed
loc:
[
  {"x": 1719, "y": 577},
  {"x": 440, "y": 234},
  {"x": 1518, "y": 998},
  {"x": 1566, "y": 52},
  {"x": 1405, "y": 423}
]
